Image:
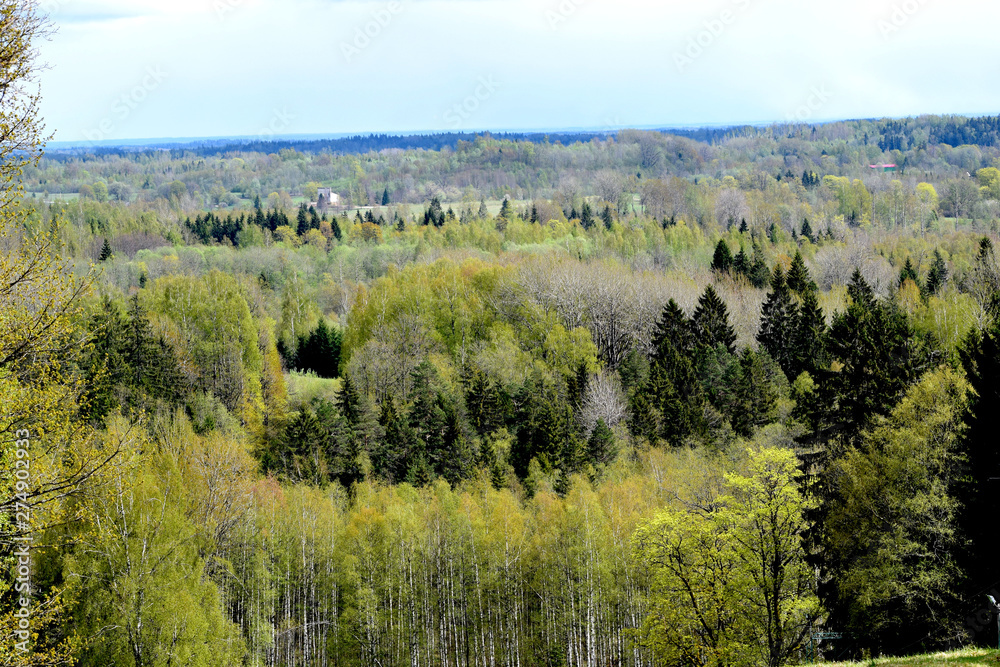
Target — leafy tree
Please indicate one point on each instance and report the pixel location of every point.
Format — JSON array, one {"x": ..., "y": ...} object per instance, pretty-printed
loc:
[
  {"x": 748, "y": 547},
  {"x": 722, "y": 262},
  {"x": 890, "y": 536},
  {"x": 710, "y": 322}
]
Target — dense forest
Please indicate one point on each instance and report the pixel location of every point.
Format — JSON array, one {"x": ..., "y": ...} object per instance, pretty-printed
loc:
[{"x": 714, "y": 397}]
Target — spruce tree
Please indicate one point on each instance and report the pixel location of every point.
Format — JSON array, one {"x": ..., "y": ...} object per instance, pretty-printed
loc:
[
  {"x": 483, "y": 211},
  {"x": 676, "y": 394},
  {"x": 601, "y": 446},
  {"x": 674, "y": 329},
  {"x": 302, "y": 221},
  {"x": 335, "y": 228},
  {"x": 744, "y": 228},
  {"x": 741, "y": 264},
  {"x": 106, "y": 252},
  {"x": 587, "y": 216},
  {"x": 879, "y": 354},
  {"x": 908, "y": 272},
  {"x": 711, "y": 322},
  {"x": 394, "y": 457},
  {"x": 756, "y": 398},
  {"x": 938, "y": 276},
  {"x": 608, "y": 219},
  {"x": 798, "y": 278},
  {"x": 505, "y": 209},
  {"x": 722, "y": 262},
  {"x": 809, "y": 343},
  {"x": 778, "y": 323},
  {"x": 807, "y": 230},
  {"x": 978, "y": 496},
  {"x": 759, "y": 275},
  {"x": 385, "y": 197}
]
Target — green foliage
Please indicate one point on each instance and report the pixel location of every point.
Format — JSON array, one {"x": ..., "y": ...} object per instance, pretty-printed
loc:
[
  {"x": 890, "y": 535},
  {"x": 710, "y": 323},
  {"x": 730, "y": 584}
]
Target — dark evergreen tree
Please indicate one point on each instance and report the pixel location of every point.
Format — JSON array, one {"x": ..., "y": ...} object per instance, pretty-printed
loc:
[
  {"x": 809, "y": 342},
  {"x": 673, "y": 329},
  {"x": 760, "y": 275},
  {"x": 778, "y": 324},
  {"x": 722, "y": 261},
  {"x": 505, "y": 209},
  {"x": 741, "y": 264},
  {"x": 106, "y": 252},
  {"x": 675, "y": 393},
  {"x": 938, "y": 275},
  {"x": 302, "y": 221},
  {"x": 319, "y": 352},
  {"x": 908, "y": 272},
  {"x": 756, "y": 396},
  {"x": 978, "y": 494},
  {"x": 799, "y": 280},
  {"x": 394, "y": 457},
  {"x": 710, "y": 322},
  {"x": 587, "y": 216},
  {"x": 608, "y": 219},
  {"x": 807, "y": 230},
  {"x": 335, "y": 228},
  {"x": 744, "y": 228},
  {"x": 880, "y": 356},
  {"x": 385, "y": 197},
  {"x": 602, "y": 448},
  {"x": 483, "y": 211}
]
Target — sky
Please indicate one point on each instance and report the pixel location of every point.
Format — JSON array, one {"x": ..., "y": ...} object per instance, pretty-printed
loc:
[{"x": 129, "y": 69}]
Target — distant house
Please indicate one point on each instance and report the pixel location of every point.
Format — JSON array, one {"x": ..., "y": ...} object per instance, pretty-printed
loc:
[
  {"x": 327, "y": 198},
  {"x": 882, "y": 167}
]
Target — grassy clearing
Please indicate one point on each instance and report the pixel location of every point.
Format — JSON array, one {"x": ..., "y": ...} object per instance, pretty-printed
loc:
[
  {"x": 969, "y": 657},
  {"x": 304, "y": 387}
]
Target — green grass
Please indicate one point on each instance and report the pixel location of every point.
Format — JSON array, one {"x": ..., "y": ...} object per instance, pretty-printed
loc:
[
  {"x": 969, "y": 657},
  {"x": 304, "y": 387}
]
